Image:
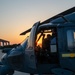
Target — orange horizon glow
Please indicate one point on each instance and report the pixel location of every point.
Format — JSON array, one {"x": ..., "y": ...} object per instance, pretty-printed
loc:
[{"x": 15, "y": 39}]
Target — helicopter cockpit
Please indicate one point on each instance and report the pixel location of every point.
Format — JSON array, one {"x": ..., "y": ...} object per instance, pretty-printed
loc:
[{"x": 46, "y": 44}]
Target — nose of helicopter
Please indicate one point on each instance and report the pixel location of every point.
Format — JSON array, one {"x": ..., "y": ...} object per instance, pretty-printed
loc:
[
  {"x": 14, "y": 53},
  {"x": 16, "y": 56}
]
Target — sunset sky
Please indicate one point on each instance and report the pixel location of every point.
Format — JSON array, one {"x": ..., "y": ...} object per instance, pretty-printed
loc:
[{"x": 17, "y": 16}]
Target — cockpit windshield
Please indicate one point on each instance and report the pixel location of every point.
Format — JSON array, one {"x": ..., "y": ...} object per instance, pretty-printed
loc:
[{"x": 24, "y": 42}]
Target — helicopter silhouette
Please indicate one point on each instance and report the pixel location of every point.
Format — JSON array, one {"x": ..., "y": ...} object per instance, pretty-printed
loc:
[{"x": 39, "y": 55}]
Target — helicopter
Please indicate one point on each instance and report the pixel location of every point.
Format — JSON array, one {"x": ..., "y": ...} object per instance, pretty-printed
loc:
[{"x": 36, "y": 56}]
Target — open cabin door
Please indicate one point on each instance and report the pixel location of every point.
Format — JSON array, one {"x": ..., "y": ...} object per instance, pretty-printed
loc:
[
  {"x": 30, "y": 53},
  {"x": 46, "y": 50},
  {"x": 46, "y": 45}
]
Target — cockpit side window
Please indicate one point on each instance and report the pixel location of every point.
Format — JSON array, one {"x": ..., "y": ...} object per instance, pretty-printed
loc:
[{"x": 71, "y": 40}]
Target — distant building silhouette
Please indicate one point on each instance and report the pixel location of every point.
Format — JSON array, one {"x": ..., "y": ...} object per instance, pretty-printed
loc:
[{"x": 4, "y": 42}]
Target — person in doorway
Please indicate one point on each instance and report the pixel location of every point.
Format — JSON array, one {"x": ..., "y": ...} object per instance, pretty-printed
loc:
[{"x": 46, "y": 43}]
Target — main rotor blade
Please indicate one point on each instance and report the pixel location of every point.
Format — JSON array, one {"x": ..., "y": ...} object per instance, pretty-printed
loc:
[
  {"x": 71, "y": 10},
  {"x": 25, "y": 32}
]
